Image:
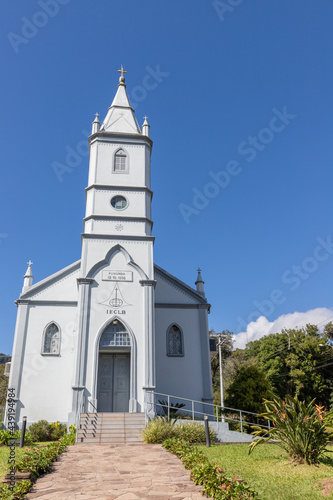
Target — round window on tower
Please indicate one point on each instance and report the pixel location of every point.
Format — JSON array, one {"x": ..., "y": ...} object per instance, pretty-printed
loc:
[{"x": 119, "y": 202}]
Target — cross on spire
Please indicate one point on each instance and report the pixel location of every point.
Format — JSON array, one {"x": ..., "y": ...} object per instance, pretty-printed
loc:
[
  {"x": 29, "y": 263},
  {"x": 97, "y": 115},
  {"x": 122, "y": 71},
  {"x": 145, "y": 117},
  {"x": 199, "y": 270}
]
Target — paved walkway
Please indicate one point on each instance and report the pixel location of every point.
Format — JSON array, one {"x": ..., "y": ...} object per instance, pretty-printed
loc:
[{"x": 122, "y": 472}]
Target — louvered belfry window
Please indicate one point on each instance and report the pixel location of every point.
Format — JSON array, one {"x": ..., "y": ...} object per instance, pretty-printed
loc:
[{"x": 120, "y": 161}]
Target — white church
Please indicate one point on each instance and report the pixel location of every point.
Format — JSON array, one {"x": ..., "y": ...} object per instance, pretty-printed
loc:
[{"x": 104, "y": 333}]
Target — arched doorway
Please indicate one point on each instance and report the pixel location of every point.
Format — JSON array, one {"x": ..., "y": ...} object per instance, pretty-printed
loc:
[{"x": 113, "y": 383}]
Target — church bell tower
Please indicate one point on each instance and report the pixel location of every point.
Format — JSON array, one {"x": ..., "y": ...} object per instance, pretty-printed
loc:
[{"x": 116, "y": 284}]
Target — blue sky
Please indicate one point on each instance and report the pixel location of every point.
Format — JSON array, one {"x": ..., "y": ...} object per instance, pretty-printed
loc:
[{"x": 241, "y": 119}]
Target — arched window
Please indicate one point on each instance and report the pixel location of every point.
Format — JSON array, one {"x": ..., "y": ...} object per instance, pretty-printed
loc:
[
  {"x": 51, "y": 340},
  {"x": 115, "y": 335},
  {"x": 175, "y": 343},
  {"x": 120, "y": 162}
]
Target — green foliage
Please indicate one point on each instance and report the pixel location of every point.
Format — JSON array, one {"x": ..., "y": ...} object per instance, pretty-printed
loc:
[
  {"x": 174, "y": 407},
  {"x": 158, "y": 430},
  {"x": 3, "y": 386},
  {"x": 271, "y": 473},
  {"x": 248, "y": 389},
  {"x": 329, "y": 330},
  {"x": 6, "y": 436},
  {"x": 299, "y": 428},
  {"x": 37, "y": 461},
  {"x": 296, "y": 362},
  {"x": 214, "y": 481},
  {"x": 45, "y": 431},
  {"x": 20, "y": 490}
]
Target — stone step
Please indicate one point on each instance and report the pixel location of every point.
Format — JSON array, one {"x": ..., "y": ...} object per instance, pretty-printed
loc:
[{"x": 111, "y": 428}]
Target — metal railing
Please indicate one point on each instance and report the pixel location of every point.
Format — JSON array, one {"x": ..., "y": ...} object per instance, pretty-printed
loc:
[{"x": 198, "y": 409}]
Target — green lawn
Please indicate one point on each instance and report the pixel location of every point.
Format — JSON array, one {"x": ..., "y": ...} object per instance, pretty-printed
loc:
[{"x": 268, "y": 471}]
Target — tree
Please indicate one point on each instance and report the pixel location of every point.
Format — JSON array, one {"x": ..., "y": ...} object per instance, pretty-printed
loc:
[
  {"x": 3, "y": 387},
  {"x": 248, "y": 389},
  {"x": 297, "y": 362},
  {"x": 328, "y": 331}
]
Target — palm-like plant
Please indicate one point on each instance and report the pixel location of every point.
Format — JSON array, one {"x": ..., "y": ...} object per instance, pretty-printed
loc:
[{"x": 297, "y": 427}]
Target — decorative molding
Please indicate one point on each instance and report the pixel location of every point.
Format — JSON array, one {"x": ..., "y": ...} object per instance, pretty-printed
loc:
[
  {"x": 120, "y": 145},
  {"x": 117, "y": 218},
  {"x": 116, "y": 191},
  {"x": 85, "y": 281},
  {"x": 161, "y": 305},
  {"x": 148, "y": 283},
  {"x": 101, "y": 187},
  {"x": 52, "y": 302},
  {"x": 105, "y": 238}
]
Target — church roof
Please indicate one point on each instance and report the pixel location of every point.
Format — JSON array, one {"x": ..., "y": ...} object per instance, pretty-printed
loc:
[
  {"x": 180, "y": 284},
  {"x": 50, "y": 280},
  {"x": 120, "y": 116}
]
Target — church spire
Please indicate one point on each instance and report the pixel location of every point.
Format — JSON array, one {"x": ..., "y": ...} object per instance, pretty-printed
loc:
[
  {"x": 28, "y": 278},
  {"x": 120, "y": 117},
  {"x": 146, "y": 127},
  {"x": 200, "y": 283},
  {"x": 96, "y": 125}
]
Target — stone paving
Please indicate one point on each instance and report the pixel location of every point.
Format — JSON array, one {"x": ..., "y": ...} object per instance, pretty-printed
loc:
[{"x": 122, "y": 472}]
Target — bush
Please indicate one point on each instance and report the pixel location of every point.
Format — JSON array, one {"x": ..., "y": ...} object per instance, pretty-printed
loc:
[
  {"x": 299, "y": 428},
  {"x": 37, "y": 461},
  {"x": 6, "y": 435},
  {"x": 20, "y": 489},
  {"x": 158, "y": 430},
  {"x": 215, "y": 484},
  {"x": 44, "y": 431}
]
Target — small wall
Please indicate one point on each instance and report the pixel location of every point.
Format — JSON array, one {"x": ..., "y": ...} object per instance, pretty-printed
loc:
[{"x": 223, "y": 434}]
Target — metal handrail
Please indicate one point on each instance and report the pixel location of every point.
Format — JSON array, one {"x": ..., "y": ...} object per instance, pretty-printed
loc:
[{"x": 195, "y": 412}]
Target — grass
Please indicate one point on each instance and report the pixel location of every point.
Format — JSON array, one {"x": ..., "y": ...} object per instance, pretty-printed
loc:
[
  {"x": 269, "y": 471},
  {"x": 4, "y": 455}
]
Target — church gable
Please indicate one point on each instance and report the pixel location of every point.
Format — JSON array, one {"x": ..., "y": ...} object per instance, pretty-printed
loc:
[
  {"x": 61, "y": 286},
  {"x": 171, "y": 290}
]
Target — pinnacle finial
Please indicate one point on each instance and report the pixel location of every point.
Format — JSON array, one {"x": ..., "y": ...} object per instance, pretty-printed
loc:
[
  {"x": 29, "y": 263},
  {"x": 122, "y": 78},
  {"x": 200, "y": 283}
]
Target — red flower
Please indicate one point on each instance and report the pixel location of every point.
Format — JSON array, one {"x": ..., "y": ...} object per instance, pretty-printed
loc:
[
  {"x": 228, "y": 487},
  {"x": 223, "y": 486}
]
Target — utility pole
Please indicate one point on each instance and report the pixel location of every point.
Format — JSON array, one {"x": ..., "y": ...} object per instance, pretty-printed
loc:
[{"x": 219, "y": 342}]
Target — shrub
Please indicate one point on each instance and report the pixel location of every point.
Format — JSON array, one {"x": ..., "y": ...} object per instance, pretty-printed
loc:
[
  {"x": 215, "y": 484},
  {"x": 6, "y": 435},
  {"x": 44, "y": 431},
  {"x": 19, "y": 491},
  {"x": 194, "y": 433},
  {"x": 158, "y": 430},
  {"x": 299, "y": 428}
]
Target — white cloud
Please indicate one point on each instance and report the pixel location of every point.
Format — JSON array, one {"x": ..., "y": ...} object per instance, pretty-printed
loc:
[{"x": 257, "y": 329}]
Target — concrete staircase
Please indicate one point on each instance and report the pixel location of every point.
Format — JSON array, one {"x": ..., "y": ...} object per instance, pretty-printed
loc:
[{"x": 111, "y": 428}]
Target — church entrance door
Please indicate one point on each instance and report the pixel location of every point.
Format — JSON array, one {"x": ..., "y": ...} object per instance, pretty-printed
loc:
[{"x": 113, "y": 390}]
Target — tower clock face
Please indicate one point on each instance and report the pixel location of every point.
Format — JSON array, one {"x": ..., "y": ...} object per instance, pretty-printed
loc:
[{"x": 119, "y": 202}]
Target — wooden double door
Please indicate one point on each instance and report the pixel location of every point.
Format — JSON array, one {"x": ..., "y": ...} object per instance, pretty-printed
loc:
[{"x": 113, "y": 387}]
